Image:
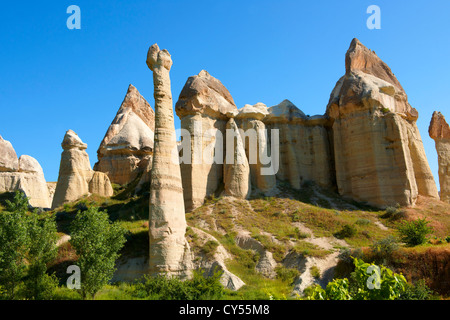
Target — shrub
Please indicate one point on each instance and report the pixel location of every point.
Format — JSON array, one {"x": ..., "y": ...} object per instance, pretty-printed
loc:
[
  {"x": 288, "y": 275},
  {"x": 210, "y": 248},
  {"x": 315, "y": 272},
  {"x": 393, "y": 213},
  {"x": 417, "y": 291},
  {"x": 368, "y": 282},
  {"x": 363, "y": 222},
  {"x": 199, "y": 287},
  {"x": 383, "y": 249},
  {"x": 347, "y": 231},
  {"x": 415, "y": 232}
]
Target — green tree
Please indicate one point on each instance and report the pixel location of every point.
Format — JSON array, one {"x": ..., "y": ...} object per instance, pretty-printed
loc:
[
  {"x": 415, "y": 232},
  {"x": 43, "y": 235},
  {"x": 14, "y": 243},
  {"x": 97, "y": 242}
]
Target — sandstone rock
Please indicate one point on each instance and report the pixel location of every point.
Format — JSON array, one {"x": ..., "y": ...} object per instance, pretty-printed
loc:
[
  {"x": 304, "y": 145},
  {"x": 217, "y": 262},
  {"x": 128, "y": 142},
  {"x": 249, "y": 120},
  {"x": 379, "y": 155},
  {"x": 8, "y": 157},
  {"x": 76, "y": 178},
  {"x": 204, "y": 106},
  {"x": 169, "y": 250},
  {"x": 439, "y": 131},
  {"x": 236, "y": 168},
  {"x": 266, "y": 263},
  {"x": 23, "y": 174}
]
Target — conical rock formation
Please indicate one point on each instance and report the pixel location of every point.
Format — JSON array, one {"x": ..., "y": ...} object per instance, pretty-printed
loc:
[
  {"x": 439, "y": 131},
  {"x": 76, "y": 178},
  {"x": 125, "y": 152}
]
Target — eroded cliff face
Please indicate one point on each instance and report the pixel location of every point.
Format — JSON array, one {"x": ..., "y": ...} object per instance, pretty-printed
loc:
[
  {"x": 76, "y": 178},
  {"x": 125, "y": 152},
  {"x": 379, "y": 155},
  {"x": 24, "y": 174},
  {"x": 439, "y": 131},
  {"x": 169, "y": 249},
  {"x": 204, "y": 106},
  {"x": 304, "y": 153}
]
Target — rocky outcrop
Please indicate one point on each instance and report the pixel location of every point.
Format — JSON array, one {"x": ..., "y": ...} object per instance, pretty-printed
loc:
[
  {"x": 125, "y": 153},
  {"x": 379, "y": 155},
  {"x": 439, "y": 131},
  {"x": 203, "y": 107},
  {"x": 257, "y": 145},
  {"x": 169, "y": 250},
  {"x": 236, "y": 169},
  {"x": 76, "y": 178},
  {"x": 23, "y": 174},
  {"x": 8, "y": 157},
  {"x": 304, "y": 145}
]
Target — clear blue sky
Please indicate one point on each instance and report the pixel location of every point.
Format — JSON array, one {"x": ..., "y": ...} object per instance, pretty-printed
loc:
[{"x": 54, "y": 79}]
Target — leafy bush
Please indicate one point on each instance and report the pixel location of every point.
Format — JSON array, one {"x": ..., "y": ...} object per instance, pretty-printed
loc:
[
  {"x": 210, "y": 248},
  {"x": 415, "y": 232},
  {"x": 417, "y": 291},
  {"x": 367, "y": 282},
  {"x": 383, "y": 249},
  {"x": 347, "y": 231},
  {"x": 288, "y": 275},
  {"x": 393, "y": 213},
  {"x": 315, "y": 272},
  {"x": 199, "y": 287},
  {"x": 363, "y": 222}
]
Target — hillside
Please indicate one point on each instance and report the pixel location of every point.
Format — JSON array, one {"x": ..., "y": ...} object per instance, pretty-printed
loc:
[{"x": 277, "y": 246}]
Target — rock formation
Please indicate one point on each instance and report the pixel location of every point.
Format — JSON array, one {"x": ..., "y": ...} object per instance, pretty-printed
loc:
[
  {"x": 76, "y": 178},
  {"x": 125, "y": 153},
  {"x": 249, "y": 120},
  {"x": 439, "y": 131},
  {"x": 23, "y": 174},
  {"x": 169, "y": 250},
  {"x": 304, "y": 151},
  {"x": 379, "y": 155},
  {"x": 236, "y": 168},
  {"x": 203, "y": 107}
]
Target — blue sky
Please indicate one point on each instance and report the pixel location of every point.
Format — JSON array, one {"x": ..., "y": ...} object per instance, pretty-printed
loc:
[{"x": 54, "y": 79}]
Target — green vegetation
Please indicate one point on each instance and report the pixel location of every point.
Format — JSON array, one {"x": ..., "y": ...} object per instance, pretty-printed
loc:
[
  {"x": 368, "y": 282},
  {"x": 28, "y": 244},
  {"x": 415, "y": 232},
  {"x": 97, "y": 242}
]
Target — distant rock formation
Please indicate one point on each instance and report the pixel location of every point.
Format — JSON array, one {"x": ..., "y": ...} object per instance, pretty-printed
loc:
[
  {"x": 250, "y": 118},
  {"x": 169, "y": 249},
  {"x": 202, "y": 106},
  {"x": 76, "y": 178},
  {"x": 24, "y": 173},
  {"x": 379, "y": 155},
  {"x": 236, "y": 169},
  {"x": 439, "y": 131},
  {"x": 305, "y": 150},
  {"x": 125, "y": 153}
]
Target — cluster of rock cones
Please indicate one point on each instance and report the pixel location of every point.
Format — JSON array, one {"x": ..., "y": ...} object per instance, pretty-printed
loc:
[{"x": 366, "y": 146}]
